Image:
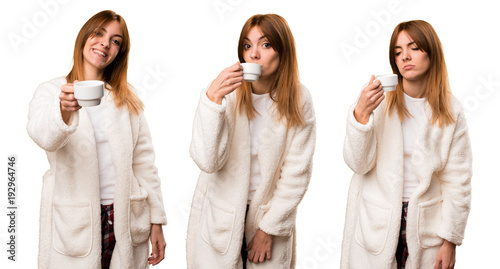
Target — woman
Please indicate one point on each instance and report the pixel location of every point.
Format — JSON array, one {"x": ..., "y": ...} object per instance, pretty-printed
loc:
[
  {"x": 101, "y": 198},
  {"x": 254, "y": 143},
  {"x": 409, "y": 198}
]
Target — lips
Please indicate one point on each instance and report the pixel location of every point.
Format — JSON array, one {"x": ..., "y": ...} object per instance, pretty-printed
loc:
[
  {"x": 408, "y": 67},
  {"x": 100, "y": 53}
]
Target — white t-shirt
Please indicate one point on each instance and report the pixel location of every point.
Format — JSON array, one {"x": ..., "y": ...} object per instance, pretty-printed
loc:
[
  {"x": 100, "y": 121},
  {"x": 411, "y": 129},
  {"x": 262, "y": 103}
]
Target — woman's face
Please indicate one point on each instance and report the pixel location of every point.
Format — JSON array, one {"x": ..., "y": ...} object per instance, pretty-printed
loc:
[
  {"x": 412, "y": 62},
  {"x": 257, "y": 49},
  {"x": 101, "y": 49}
]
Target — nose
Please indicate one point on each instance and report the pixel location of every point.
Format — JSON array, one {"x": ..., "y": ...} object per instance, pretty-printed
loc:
[
  {"x": 104, "y": 43},
  {"x": 255, "y": 53},
  {"x": 406, "y": 55}
]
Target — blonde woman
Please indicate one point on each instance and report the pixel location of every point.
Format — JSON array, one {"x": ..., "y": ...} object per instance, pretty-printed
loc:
[
  {"x": 101, "y": 198},
  {"x": 409, "y": 198},
  {"x": 254, "y": 143}
]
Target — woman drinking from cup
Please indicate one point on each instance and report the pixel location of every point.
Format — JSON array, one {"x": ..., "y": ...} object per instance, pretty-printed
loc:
[
  {"x": 409, "y": 198},
  {"x": 254, "y": 142},
  {"x": 101, "y": 198}
]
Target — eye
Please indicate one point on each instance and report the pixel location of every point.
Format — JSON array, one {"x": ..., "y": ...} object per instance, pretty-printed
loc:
[
  {"x": 116, "y": 42},
  {"x": 398, "y": 53},
  {"x": 246, "y": 46},
  {"x": 98, "y": 33},
  {"x": 267, "y": 45},
  {"x": 415, "y": 48}
]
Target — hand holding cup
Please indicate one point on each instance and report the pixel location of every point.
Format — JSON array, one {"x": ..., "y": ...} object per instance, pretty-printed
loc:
[
  {"x": 370, "y": 98},
  {"x": 68, "y": 102},
  {"x": 226, "y": 82},
  {"x": 67, "y": 98}
]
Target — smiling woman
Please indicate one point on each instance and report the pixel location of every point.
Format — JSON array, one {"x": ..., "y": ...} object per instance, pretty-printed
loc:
[
  {"x": 101, "y": 198},
  {"x": 101, "y": 49}
]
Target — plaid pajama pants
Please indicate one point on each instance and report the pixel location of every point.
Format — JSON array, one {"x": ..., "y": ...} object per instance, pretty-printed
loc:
[
  {"x": 108, "y": 235},
  {"x": 402, "y": 249}
]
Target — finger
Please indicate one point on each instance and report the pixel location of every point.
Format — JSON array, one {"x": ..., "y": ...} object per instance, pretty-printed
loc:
[
  {"x": 437, "y": 264},
  {"x": 162, "y": 251},
  {"x": 153, "y": 261},
  {"x": 233, "y": 68},
  {"x": 67, "y": 97},
  {"x": 230, "y": 88},
  {"x": 379, "y": 100},
  {"x": 71, "y": 108},
  {"x": 234, "y": 74},
  {"x": 268, "y": 254},
  {"x": 251, "y": 255},
  {"x": 376, "y": 84},
  {"x": 376, "y": 96},
  {"x": 66, "y": 103},
  {"x": 70, "y": 97},
  {"x": 154, "y": 244},
  {"x": 249, "y": 247},
  {"x": 262, "y": 257},
  {"x": 237, "y": 66},
  {"x": 231, "y": 81},
  {"x": 372, "y": 78},
  {"x": 67, "y": 88},
  {"x": 372, "y": 85}
]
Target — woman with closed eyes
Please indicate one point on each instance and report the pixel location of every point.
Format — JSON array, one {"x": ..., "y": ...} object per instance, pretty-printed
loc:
[{"x": 409, "y": 149}]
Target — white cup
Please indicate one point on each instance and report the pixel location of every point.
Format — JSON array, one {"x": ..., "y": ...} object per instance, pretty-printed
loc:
[
  {"x": 251, "y": 72},
  {"x": 388, "y": 82},
  {"x": 89, "y": 92}
]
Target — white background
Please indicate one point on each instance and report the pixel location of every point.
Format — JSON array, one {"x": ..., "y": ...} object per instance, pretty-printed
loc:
[{"x": 178, "y": 47}]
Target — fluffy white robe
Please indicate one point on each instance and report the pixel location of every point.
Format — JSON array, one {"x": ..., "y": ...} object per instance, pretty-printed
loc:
[
  {"x": 437, "y": 210},
  {"x": 70, "y": 213},
  {"x": 221, "y": 148}
]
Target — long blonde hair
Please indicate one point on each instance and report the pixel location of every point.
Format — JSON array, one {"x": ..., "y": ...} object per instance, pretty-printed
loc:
[
  {"x": 115, "y": 74},
  {"x": 438, "y": 91},
  {"x": 285, "y": 91}
]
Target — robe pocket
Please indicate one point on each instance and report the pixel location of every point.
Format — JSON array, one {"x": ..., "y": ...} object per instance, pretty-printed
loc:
[
  {"x": 72, "y": 228},
  {"x": 372, "y": 227},
  {"x": 218, "y": 224},
  {"x": 429, "y": 221},
  {"x": 139, "y": 218},
  {"x": 261, "y": 211}
]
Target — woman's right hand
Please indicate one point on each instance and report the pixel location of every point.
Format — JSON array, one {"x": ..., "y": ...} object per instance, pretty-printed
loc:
[
  {"x": 226, "y": 82},
  {"x": 68, "y": 103},
  {"x": 371, "y": 96}
]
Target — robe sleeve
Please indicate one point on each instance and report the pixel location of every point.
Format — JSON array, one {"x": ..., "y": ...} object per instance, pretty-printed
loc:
[
  {"x": 45, "y": 124},
  {"x": 360, "y": 144},
  {"x": 210, "y": 141},
  {"x": 146, "y": 172},
  {"x": 295, "y": 175},
  {"x": 456, "y": 185}
]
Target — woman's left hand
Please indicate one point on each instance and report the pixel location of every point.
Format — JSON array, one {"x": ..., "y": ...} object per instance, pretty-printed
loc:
[
  {"x": 446, "y": 256},
  {"x": 259, "y": 248},
  {"x": 158, "y": 244}
]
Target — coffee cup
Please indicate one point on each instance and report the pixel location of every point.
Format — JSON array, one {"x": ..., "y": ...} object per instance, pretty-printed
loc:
[
  {"x": 388, "y": 82},
  {"x": 89, "y": 92},
  {"x": 251, "y": 72}
]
